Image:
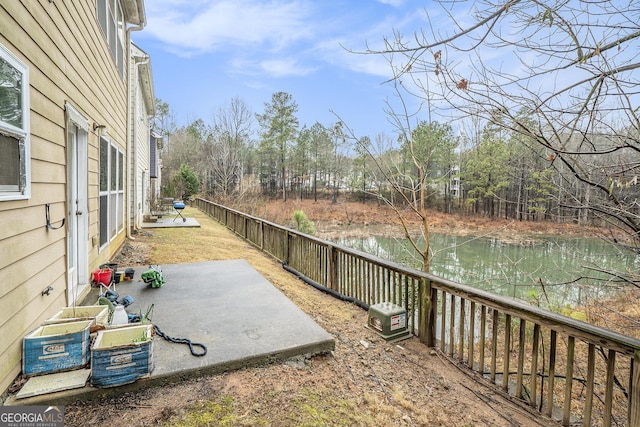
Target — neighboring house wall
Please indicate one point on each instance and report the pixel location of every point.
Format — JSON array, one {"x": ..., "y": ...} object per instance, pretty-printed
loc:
[
  {"x": 76, "y": 139},
  {"x": 143, "y": 106}
]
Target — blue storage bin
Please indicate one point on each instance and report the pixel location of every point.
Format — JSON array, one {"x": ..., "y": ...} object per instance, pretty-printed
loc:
[
  {"x": 122, "y": 355},
  {"x": 56, "y": 347}
]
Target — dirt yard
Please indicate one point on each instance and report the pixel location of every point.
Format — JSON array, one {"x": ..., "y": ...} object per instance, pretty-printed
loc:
[{"x": 364, "y": 382}]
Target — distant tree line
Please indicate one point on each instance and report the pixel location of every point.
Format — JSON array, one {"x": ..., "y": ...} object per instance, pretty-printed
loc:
[{"x": 496, "y": 172}]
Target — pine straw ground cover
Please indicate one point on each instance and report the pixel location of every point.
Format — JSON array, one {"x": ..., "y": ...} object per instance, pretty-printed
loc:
[{"x": 364, "y": 382}]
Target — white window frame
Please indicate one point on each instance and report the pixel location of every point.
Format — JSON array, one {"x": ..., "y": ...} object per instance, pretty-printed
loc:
[
  {"x": 114, "y": 215},
  {"x": 113, "y": 28},
  {"x": 21, "y": 134}
]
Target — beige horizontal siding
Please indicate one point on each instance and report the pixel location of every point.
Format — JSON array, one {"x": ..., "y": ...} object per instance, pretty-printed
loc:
[{"x": 24, "y": 268}]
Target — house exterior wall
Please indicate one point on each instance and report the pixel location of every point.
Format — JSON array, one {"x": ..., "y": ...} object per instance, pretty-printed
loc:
[
  {"x": 68, "y": 61},
  {"x": 141, "y": 104},
  {"x": 142, "y": 155}
]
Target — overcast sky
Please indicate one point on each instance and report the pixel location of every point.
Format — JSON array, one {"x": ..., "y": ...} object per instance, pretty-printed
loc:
[{"x": 204, "y": 53}]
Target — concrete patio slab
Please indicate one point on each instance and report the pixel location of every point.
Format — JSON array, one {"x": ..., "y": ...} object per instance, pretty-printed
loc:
[{"x": 227, "y": 306}]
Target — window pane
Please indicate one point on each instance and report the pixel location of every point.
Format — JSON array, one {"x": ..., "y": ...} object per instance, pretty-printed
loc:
[
  {"x": 104, "y": 219},
  {"x": 9, "y": 163},
  {"x": 120, "y": 210},
  {"x": 120, "y": 60},
  {"x": 102, "y": 15},
  {"x": 120, "y": 171},
  {"x": 10, "y": 94},
  {"x": 104, "y": 155},
  {"x": 112, "y": 35},
  {"x": 112, "y": 213},
  {"x": 114, "y": 166},
  {"x": 119, "y": 38}
]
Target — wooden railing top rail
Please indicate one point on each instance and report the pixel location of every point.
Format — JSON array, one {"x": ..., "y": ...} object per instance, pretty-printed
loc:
[{"x": 585, "y": 331}]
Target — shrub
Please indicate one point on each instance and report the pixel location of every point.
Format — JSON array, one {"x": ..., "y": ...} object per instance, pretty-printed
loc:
[{"x": 302, "y": 223}]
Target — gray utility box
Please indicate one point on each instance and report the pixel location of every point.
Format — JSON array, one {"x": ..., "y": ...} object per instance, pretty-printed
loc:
[{"x": 389, "y": 320}]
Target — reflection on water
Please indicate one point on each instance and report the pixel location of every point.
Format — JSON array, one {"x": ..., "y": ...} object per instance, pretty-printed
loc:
[{"x": 549, "y": 272}]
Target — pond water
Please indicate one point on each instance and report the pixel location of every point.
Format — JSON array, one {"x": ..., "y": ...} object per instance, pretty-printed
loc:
[{"x": 550, "y": 271}]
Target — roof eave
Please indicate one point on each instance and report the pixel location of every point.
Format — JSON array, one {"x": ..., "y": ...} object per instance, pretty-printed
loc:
[{"x": 146, "y": 81}]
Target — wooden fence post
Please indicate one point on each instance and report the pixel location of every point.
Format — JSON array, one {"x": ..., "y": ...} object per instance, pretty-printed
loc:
[
  {"x": 262, "y": 235},
  {"x": 634, "y": 395},
  {"x": 286, "y": 247},
  {"x": 426, "y": 327},
  {"x": 332, "y": 268}
]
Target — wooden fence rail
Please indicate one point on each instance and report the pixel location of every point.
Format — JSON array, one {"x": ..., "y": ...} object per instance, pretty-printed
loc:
[{"x": 575, "y": 372}]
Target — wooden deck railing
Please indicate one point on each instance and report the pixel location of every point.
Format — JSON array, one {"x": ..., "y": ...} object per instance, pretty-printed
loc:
[{"x": 575, "y": 372}]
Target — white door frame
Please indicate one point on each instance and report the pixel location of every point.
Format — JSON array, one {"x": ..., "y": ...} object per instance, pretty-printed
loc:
[{"x": 77, "y": 204}]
